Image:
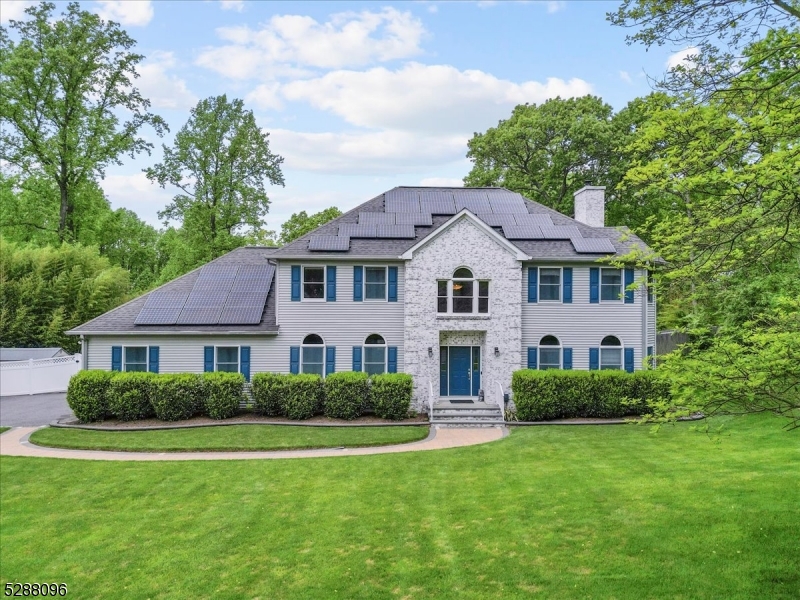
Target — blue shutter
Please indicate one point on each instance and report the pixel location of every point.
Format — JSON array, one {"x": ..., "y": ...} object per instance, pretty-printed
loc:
[
  {"x": 116, "y": 358},
  {"x": 358, "y": 284},
  {"x": 356, "y": 358},
  {"x": 628, "y": 281},
  {"x": 152, "y": 359},
  {"x": 532, "y": 358},
  {"x": 594, "y": 359},
  {"x": 331, "y": 277},
  {"x": 330, "y": 359},
  {"x": 629, "y": 360},
  {"x": 244, "y": 362},
  {"x": 294, "y": 360},
  {"x": 533, "y": 284},
  {"x": 391, "y": 367},
  {"x": 650, "y": 356},
  {"x": 208, "y": 359},
  {"x": 567, "y": 284},
  {"x": 295, "y": 283},
  {"x": 594, "y": 285},
  {"x": 567, "y": 358},
  {"x": 392, "y": 284}
]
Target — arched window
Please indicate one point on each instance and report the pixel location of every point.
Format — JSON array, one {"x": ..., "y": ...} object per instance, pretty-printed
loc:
[
  {"x": 549, "y": 353},
  {"x": 374, "y": 355},
  {"x": 463, "y": 294},
  {"x": 313, "y": 360},
  {"x": 610, "y": 353}
]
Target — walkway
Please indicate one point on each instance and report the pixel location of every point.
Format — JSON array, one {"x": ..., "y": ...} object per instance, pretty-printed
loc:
[
  {"x": 35, "y": 410},
  {"x": 15, "y": 443}
]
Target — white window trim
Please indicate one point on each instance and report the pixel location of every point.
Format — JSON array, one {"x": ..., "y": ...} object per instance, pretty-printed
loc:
[
  {"x": 238, "y": 357},
  {"x": 324, "y": 347},
  {"x": 385, "y": 347},
  {"x": 560, "y": 284},
  {"x": 560, "y": 349},
  {"x": 475, "y": 296},
  {"x": 385, "y": 287},
  {"x": 621, "y": 297},
  {"x": 324, "y": 283},
  {"x": 146, "y": 359},
  {"x": 621, "y": 349}
]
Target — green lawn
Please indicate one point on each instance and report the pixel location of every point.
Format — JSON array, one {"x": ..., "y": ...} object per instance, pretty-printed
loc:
[
  {"x": 229, "y": 437},
  {"x": 2, "y": 429},
  {"x": 550, "y": 512}
]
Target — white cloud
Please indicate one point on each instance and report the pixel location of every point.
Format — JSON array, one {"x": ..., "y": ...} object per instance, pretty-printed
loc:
[
  {"x": 126, "y": 12},
  {"x": 137, "y": 193},
  {"x": 14, "y": 9},
  {"x": 625, "y": 76},
  {"x": 265, "y": 96},
  {"x": 346, "y": 40},
  {"x": 237, "y": 5},
  {"x": 553, "y": 6},
  {"x": 285, "y": 201},
  {"x": 161, "y": 88},
  {"x": 425, "y": 98},
  {"x": 442, "y": 182},
  {"x": 682, "y": 57}
]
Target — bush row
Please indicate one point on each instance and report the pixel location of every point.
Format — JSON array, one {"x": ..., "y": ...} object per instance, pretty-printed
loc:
[
  {"x": 552, "y": 394},
  {"x": 96, "y": 395},
  {"x": 340, "y": 395}
]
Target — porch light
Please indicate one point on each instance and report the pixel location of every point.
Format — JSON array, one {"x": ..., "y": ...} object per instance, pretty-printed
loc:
[
  {"x": 496, "y": 351},
  {"x": 430, "y": 351}
]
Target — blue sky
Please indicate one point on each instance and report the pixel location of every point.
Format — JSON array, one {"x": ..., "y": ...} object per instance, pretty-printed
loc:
[{"x": 362, "y": 96}]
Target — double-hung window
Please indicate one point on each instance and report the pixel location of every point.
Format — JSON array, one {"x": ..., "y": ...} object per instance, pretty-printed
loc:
[
  {"x": 610, "y": 353},
  {"x": 374, "y": 283},
  {"x": 549, "y": 353},
  {"x": 313, "y": 358},
  {"x": 374, "y": 355},
  {"x": 463, "y": 294},
  {"x": 227, "y": 359},
  {"x": 610, "y": 284},
  {"x": 650, "y": 287},
  {"x": 549, "y": 284},
  {"x": 135, "y": 358},
  {"x": 313, "y": 283}
]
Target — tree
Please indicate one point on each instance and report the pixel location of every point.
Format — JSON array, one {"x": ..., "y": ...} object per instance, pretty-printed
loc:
[
  {"x": 63, "y": 86},
  {"x": 220, "y": 161},
  {"x": 301, "y": 223}
]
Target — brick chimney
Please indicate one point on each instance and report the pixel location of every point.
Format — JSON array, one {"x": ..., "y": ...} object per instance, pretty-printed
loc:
[{"x": 590, "y": 205}]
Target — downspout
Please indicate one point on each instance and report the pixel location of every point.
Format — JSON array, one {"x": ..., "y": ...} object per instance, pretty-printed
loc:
[{"x": 84, "y": 352}]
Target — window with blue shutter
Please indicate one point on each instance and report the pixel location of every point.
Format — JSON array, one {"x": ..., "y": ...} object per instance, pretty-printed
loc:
[
  {"x": 629, "y": 360},
  {"x": 330, "y": 296},
  {"x": 244, "y": 362},
  {"x": 295, "y": 283},
  {"x": 594, "y": 359},
  {"x": 391, "y": 362},
  {"x": 532, "y": 358},
  {"x": 566, "y": 362},
  {"x": 330, "y": 359},
  {"x": 152, "y": 359},
  {"x": 567, "y": 284},
  {"x": 533, "y": 284},
  {"x": 628, "y": 282},
  {"x": 356, "y": 358},
  {"x": 208, "y": 359},
  {"x": 294, "y": 360},
  {"x": 358, "y": 284},
  {"x": 392, "y": 284},
  {"x": 594, "y": 285},
  {"x": 650, "y": 361},
  {"x": 116, "y": 358}
]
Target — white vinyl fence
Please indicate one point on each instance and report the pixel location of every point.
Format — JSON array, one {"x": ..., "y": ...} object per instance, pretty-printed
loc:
[{"x": 37, "y": 376}]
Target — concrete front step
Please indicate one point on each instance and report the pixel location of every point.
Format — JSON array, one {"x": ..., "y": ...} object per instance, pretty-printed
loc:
[
  {"x": 497, "y": 423},
  {"x": 475, "y": 412}
]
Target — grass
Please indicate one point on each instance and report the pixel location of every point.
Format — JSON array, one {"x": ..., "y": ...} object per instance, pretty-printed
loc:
[
  {"x": 227, "y": 438},
  {"x": 2, "y": 429},
  {"x": 550, "y": 512}
]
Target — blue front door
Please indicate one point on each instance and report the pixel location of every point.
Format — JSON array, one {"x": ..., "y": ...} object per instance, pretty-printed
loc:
[{"x": 460, "y": 367}]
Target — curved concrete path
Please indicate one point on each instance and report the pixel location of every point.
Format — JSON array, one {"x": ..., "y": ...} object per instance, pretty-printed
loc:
[{"x": 15, "y": 443}]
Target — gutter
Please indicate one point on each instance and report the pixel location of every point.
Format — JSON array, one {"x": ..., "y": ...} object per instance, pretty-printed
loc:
[{"x": 134, "y": 332}]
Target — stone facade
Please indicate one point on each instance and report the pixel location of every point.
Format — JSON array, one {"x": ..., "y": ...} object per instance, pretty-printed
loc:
[
  {"x": 590, "y": 205},
  {"x": 463, "y": 244}
]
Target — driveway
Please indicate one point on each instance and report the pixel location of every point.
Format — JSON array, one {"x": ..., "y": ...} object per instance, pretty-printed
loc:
[{"x": 32, "y": 411}]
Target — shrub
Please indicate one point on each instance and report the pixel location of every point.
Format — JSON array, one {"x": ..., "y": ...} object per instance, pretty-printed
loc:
[
  {"x": 302, "y": 397},
  {"x": 268, "y": 392},
  {"x": 345, "y": 395},
  {"x": 87, "y": 395},
  {"x": 129, "y": 396},
  {"x": 223, "y": 393},
  {"x": 611, "y": 396},
  {"x": 391, "y": 395},
  {"x": 177, "y": 397}
]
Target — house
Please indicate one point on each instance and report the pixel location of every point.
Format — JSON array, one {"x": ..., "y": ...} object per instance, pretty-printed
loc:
[
  {"x": 17, "y": 354},
  {"x": 457, "y": 287}
]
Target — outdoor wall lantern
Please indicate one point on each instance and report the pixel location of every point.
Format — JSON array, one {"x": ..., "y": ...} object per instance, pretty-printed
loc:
[
  {"x": 496, "y": 351},
  {"x": 430, "y": 351}
]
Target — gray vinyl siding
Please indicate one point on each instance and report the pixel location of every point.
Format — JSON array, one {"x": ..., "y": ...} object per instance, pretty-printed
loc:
[
  {"x": 343, "y": 323},
  {"x": 582, "y": 325}
]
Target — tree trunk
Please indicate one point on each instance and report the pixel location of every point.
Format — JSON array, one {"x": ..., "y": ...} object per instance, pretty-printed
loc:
[{"x": 64, "y": 213}]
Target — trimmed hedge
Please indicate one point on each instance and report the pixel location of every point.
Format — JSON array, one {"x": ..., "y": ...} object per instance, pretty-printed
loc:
[
  {"x": 87, "y": 395},
  {"x": 223, "y": 392},
  {"x": 345, "y": 395},
  {"x": 391, "y": 395},
  {"x": 177, "y": 396},
  {"x": 129, "y": 396},
  {"x": 268, "y": 392},
  {"x": 554, "y": 394},
  {"x": 302, "y": 397}
]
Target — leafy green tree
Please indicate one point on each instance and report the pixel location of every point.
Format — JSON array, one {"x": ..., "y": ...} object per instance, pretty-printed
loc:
[
  {"x": 221, "y": 162},
  {"x": 63, "y": 87},
  {"x": 301, "y": 223}
]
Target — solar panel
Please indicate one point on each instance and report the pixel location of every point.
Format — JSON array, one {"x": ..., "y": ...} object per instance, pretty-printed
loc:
[
  {"x": 507, "y": 203},
  {"x": 437, "y": 203},
  {"x": 499, "y": 220},
  {"x": 419, "y": 219},
  {"x": 161, "y": 308},
  {"x": 593, "y": 245},
  {"x": 244, "y": 315},
  {"x": 355, "y": 230},
  {"x": 329, "y": 243},
  {"x": 248, "y": 296},
  {"x": 520, "y": 232},
  {"x": 473, "y": 200},
  {"x": 402, "y": 200},
  {"x": 395, "y": 231},
  {"x": 560, "y": 232},
  {"x": 377, "y": 218},
  {"x": 536, "y": 220},
  {"x": 207, "y": 298}
]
